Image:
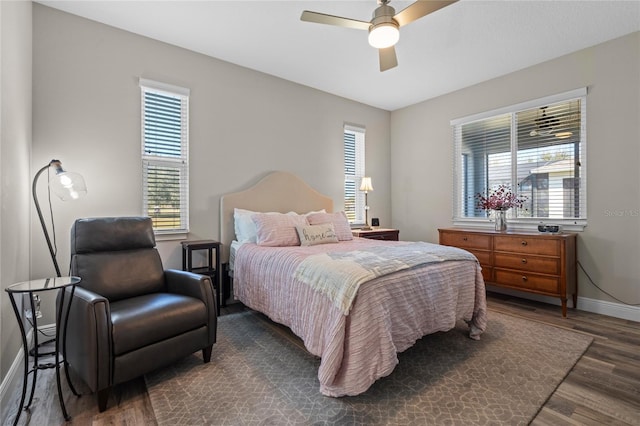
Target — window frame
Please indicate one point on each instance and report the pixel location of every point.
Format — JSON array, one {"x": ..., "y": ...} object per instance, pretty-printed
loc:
[
  {"x": 522, "y": 223},
  {"x": 179, "y": 163},
  {"x": 359, "y": 133}
]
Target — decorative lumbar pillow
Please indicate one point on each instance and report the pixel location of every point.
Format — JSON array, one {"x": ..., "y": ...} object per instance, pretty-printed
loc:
[
  {"x": 312, "y": 235},
  {"x": 278, "y": 229},
  {"x": 339, "y": 221}
]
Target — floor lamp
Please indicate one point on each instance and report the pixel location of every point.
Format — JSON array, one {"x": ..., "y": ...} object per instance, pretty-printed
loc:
[
  {"x": 67, "y": 186},
  {"x": 366, "y": 186}
]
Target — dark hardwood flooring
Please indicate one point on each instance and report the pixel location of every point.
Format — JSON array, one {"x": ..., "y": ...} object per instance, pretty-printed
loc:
[{"x": 602, "y": 389}]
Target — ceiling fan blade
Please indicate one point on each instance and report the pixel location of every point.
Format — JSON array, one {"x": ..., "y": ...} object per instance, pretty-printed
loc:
[
  {"x": 388, "y": 58},
  {"x": 419, "y": 9},
  {"x": 321, "y": 18}
]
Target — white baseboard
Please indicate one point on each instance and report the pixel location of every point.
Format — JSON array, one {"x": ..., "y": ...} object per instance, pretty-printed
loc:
[
  {"x": 617, "y": 310},
  {"x": 11, "y": 382},
  {"x": 611, "y": 309},
  {"x": 13, "y": 379}
]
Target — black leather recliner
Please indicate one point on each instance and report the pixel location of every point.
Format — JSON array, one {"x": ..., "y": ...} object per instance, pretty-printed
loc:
[{"x": 129, "y": 316}]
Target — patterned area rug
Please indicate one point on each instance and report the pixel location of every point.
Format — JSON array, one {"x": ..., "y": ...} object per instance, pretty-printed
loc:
[{"x": 260, "y": 375}]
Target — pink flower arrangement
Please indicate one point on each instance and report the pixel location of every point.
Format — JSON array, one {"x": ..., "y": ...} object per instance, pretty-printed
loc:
[{"x": 500, "y": 198}]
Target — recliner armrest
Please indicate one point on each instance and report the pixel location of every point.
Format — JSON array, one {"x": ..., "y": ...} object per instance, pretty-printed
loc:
[
  {"x": 199, "y": 287},
  {"x": 189, "y": 284},
  {"x": 88, "y": 337}
]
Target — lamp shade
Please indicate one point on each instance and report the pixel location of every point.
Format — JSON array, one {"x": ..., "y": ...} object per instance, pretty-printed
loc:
[
  {"x": 366, "y": 185},
  {"x": 67, "y": 185}
]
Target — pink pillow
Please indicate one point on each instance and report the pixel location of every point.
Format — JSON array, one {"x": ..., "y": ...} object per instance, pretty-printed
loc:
[
  {"x": 278, "y": 229},
  {"x": 339, "y": 221}
]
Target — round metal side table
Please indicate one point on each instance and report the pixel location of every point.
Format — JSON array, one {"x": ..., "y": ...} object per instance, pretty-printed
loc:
[{"x": 31, "y": 288}]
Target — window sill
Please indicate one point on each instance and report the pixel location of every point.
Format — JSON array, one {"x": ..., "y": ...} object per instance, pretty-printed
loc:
[
  {"x": 522, "y": 224},
  {"x": 171, "y": 236}
]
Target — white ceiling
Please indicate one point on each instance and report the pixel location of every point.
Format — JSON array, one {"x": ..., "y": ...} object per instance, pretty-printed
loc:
[{"x": 466, "y": 43}]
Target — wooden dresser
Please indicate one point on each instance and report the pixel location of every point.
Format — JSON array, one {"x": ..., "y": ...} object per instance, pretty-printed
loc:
[{"x": 541, "y": 263}]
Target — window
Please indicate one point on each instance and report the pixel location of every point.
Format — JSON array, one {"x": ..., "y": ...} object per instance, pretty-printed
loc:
[
  {"x": 165, "y": 160},
  {"x": 353, "y": 173},
  {"x": 537, "y": 148}
]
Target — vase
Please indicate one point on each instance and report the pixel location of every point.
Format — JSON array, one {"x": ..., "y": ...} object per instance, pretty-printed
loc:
[{"x": 501, "y": 220}]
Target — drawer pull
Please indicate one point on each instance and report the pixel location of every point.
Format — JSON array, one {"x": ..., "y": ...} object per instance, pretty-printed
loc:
[
  {"x": 524, "y": 243},
  {"x": 524, "y": 260},
  {"x": 464, "y": 238},
  {"x": 524, "y": 278}
]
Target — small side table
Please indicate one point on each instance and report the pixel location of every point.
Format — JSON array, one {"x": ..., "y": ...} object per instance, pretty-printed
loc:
[
  {"x": 377, "y": 234},
  {"x": 30, "y": 288},
  {"x": 210, "y": 269}
]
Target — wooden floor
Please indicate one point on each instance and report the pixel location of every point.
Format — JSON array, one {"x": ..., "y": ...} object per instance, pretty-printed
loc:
[{"x": 602, "y": 389}]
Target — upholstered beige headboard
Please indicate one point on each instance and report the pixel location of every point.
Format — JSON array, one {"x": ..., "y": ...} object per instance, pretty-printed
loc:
[{"x": 277, "y": 192}]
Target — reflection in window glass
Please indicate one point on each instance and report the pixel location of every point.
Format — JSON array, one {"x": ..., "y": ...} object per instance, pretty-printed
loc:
[{"x": 538, "y": 152}]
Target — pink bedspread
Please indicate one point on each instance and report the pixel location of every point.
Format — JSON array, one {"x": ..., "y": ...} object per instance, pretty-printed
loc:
[{"x": 387, "y": 317}]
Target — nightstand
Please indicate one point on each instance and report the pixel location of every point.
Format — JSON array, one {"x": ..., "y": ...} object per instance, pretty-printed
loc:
[
  {"x": 211, "y": 269},
  {"x": 377, "y": 234}
]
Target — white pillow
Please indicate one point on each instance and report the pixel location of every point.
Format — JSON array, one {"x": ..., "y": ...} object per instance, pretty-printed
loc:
[
  {"x": 314, "y": 212},
  {"x": 244, "y": 226},
  {"x": 312, "y": 235}
]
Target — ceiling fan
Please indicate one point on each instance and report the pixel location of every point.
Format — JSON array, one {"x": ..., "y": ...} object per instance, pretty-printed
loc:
[
  {"x": 383, "y": 27},
  {"x": 544, "y": 123},
  {"x": 550, "y": 124}
]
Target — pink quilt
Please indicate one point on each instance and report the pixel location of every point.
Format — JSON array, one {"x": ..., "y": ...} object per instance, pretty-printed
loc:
[{"x": 388, "y": 315}]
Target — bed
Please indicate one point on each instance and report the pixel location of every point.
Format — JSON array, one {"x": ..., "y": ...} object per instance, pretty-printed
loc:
[{"x": 356, "y": 324}]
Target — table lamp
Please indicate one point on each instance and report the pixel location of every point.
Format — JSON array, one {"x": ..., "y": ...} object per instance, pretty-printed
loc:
[{"x": 366, "y": 186}]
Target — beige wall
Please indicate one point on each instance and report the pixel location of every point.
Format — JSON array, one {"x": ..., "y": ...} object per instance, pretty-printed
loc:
[
  {"x": 243, "y": 124},
  {"x": 609, "y": 247},
  {"x": 15, "y": 142}
]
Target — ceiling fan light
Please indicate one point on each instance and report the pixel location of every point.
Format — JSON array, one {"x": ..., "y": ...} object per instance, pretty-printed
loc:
[
  {"x": 564, "y": 135},
  {"x": 384, "y": 35}
]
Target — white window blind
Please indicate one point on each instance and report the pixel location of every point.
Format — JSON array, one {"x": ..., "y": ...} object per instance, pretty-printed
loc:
[
  {"x": 538, "y": 149},
  {"x": 353, "y": 173},
  {"x": 165, "y": 156}
]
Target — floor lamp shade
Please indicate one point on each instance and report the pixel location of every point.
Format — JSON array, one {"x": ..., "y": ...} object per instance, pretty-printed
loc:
[{"x": 67, "y": 186}]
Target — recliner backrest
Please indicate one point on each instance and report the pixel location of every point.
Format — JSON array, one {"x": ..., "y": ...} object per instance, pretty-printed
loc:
[{"x": 116, "y": 256}]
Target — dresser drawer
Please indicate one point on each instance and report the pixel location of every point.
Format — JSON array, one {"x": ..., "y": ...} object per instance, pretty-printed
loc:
[
  {"x": 383, "y": 236},
  {"x": 377, "y": 234},
  {"x": 525, "y": 262},
  {"x": 465, "y": 241},
  {"x": 484, "y": 257},
  {"x": 528, "y": 281},
  {"x": 527, "y": 245},
  {"x": 487, "y": 273}
]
